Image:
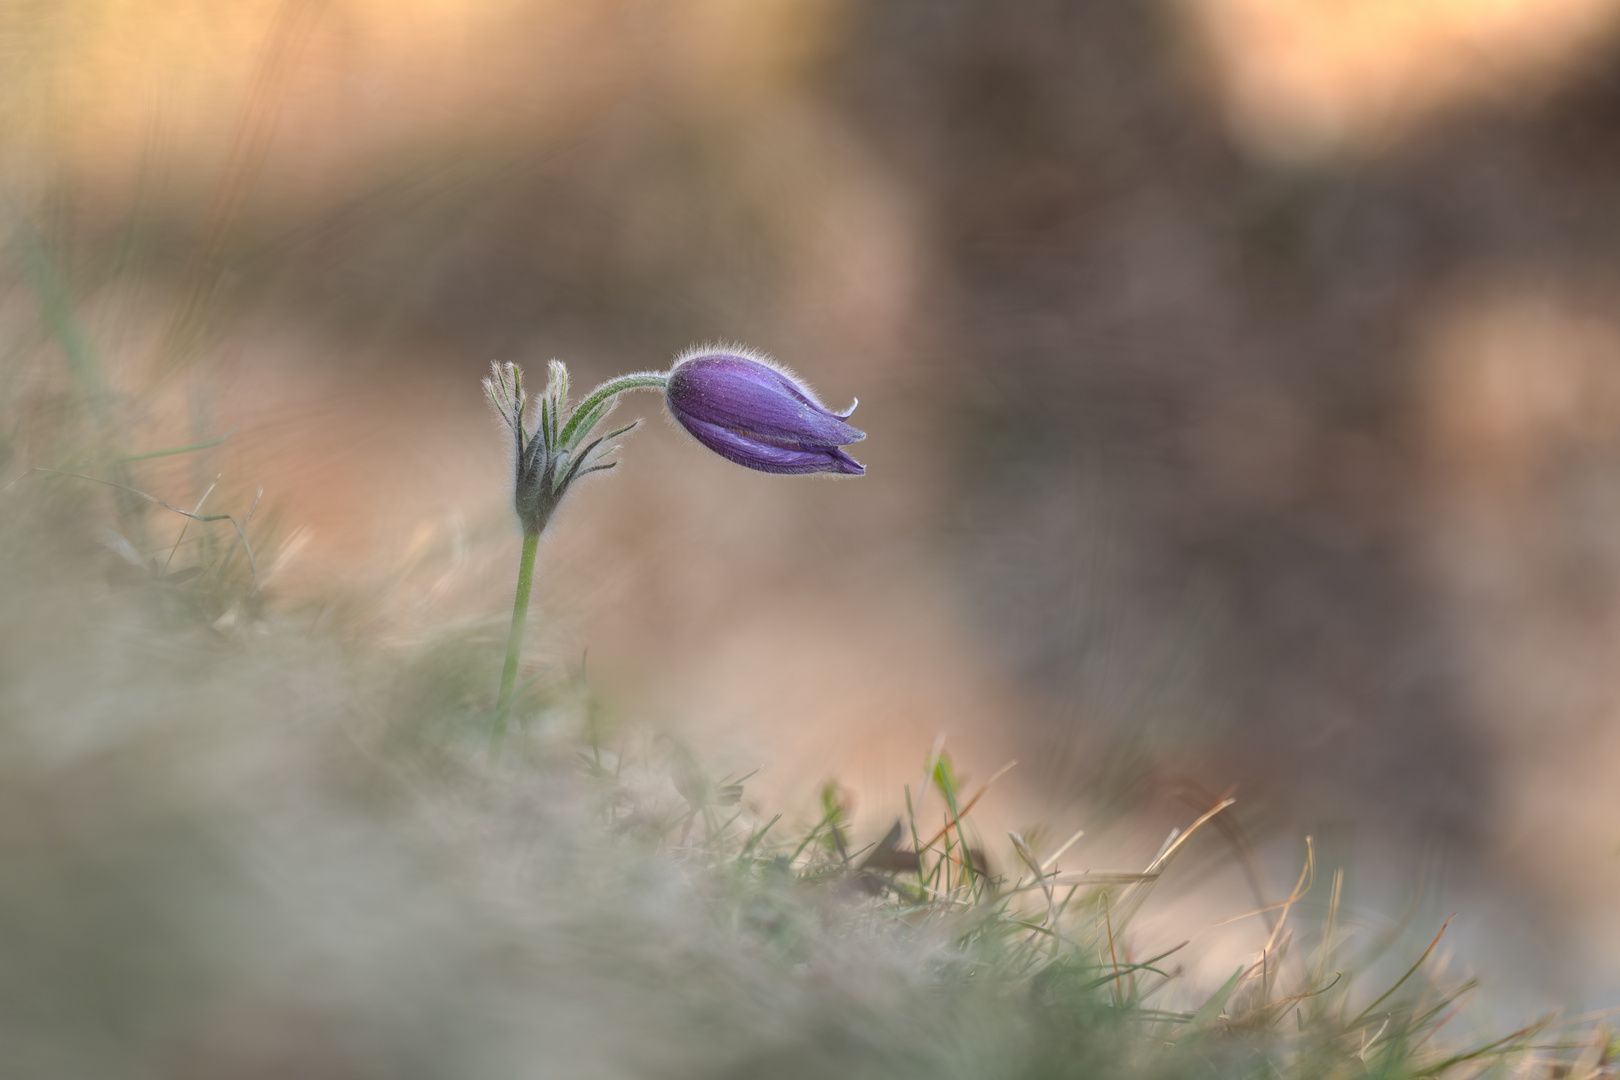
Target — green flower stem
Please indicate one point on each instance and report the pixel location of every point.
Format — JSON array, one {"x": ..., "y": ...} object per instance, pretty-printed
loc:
[
  {"x": 641, "y": 380},
  {"x": 539, "y": 488},
  {"x": 514, "y": 638}
]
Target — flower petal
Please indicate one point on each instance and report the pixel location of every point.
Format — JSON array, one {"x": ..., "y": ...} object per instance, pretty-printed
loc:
[
  {"x": 769, "y": 457},
  {"x": 737, "y": 393}
]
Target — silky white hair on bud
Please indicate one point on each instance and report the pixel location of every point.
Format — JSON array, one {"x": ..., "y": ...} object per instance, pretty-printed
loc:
[{"x": 733, "y": 348}]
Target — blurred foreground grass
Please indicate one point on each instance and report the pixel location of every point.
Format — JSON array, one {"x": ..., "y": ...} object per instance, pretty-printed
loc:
[{"x": 239, "y": 841}]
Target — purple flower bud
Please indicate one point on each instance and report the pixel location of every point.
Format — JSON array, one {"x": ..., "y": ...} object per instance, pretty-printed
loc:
[{"x": 759, "y": 416}]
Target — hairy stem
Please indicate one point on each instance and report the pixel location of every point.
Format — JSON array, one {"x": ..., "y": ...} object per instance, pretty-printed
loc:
[
  {"x": 514, "y": 638},
  {"x": 641, "y": 380}
]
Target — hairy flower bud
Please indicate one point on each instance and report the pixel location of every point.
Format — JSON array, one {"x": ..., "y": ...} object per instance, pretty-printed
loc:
[{"x": 758, "y": 415}]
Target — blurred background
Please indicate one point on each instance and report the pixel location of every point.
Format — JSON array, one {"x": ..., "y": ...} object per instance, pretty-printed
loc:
[{"x": 1242, "y": 380}]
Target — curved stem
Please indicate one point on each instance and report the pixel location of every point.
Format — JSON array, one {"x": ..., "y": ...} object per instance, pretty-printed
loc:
[
  {"x": 514, "y": 638},
  {"x": 640, "y": 380}
]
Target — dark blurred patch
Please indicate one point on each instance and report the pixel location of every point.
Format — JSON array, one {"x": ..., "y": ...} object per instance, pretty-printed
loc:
[{"x": 1211, "y": 359}]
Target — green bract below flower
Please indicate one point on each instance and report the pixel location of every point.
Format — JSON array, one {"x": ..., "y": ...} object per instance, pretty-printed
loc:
[{"x": 554, "y": 451}]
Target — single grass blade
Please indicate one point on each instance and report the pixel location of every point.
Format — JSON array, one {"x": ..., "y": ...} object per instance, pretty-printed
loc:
[
  {"x": 1402, "y": 980},
  {"x": 56, "y": 304},
  {"x": 1494, "y": 1046},
  {"x": 1211, "y": 1009},
  {"x": 171, "y": 451}
]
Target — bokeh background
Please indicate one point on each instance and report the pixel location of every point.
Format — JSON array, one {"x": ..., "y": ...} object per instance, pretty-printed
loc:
[{"x": 1242, "y": 380}]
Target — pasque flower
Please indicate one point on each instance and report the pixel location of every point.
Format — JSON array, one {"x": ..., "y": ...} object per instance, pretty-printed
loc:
[
  {"x": 758, "y": 416},
  {"x": 733, "y": 402}
]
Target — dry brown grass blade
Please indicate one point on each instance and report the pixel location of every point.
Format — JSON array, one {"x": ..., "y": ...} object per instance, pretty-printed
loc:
[
  {"x": 1195, "y": 796},
  {"x": 1103, "y": 877},
  {"x": 1113, "y": 958},
  {"x": 1330, "y": 927},
  {"x": 1182, "y": 839},
  {"x": 1051, "y": 860},
  {"x": 1409, "y": 973},
  {"x": 1337, "y": 975},
  {"x": 1134, "y": 897},
  {"x": 1268, "y": 909},
  {"x": 1307, "y": 878}
]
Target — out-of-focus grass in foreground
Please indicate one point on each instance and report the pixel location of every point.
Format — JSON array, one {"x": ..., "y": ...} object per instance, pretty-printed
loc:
[{"x": 235, "y": 842}]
